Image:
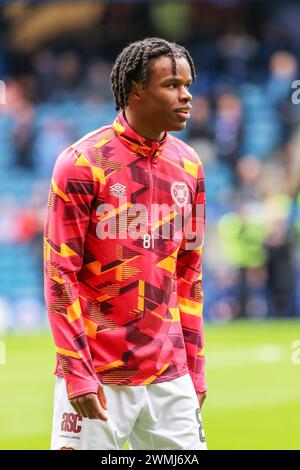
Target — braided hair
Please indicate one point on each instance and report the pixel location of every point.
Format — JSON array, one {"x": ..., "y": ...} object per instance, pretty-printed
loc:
[{"x": 133, "y": 65}]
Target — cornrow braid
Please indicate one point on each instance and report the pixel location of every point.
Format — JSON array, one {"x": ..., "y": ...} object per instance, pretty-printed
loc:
[{"x": 132, "y": 64}]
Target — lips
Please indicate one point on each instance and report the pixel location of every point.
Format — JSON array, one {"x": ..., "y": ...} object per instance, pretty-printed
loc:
[{"x": 184, "y": 112}]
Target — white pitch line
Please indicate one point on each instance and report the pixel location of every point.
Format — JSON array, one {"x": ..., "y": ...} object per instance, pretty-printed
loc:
[{"x": 269, "y": 353}]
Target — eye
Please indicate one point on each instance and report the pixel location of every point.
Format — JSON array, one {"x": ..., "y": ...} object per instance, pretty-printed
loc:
[{"x": 172, "y": 85}]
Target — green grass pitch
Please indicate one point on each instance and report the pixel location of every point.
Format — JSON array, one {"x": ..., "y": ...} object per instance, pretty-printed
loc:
[{"x": 253, "y": 400}]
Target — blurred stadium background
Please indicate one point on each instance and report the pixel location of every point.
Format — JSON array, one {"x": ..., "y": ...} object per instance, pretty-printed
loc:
[{"x": 55, "y": 60}]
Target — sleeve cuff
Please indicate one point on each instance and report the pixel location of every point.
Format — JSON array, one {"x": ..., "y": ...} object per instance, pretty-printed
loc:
[{"x": 77, "y": 387}]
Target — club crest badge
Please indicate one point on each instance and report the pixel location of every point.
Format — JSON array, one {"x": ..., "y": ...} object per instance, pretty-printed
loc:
[
  {"x": 179, "y": 193},
  {"x": 117, "y": 190}
]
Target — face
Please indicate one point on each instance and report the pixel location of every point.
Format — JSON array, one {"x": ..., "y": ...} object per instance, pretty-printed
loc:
[{"x": 165, "y": 102}]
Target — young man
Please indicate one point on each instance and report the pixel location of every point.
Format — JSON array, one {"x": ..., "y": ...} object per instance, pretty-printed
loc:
[{"x": 125, "y": 299}]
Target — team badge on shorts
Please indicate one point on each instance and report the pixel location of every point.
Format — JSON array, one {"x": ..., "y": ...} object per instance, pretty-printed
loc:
[{"x": 179, "y": 193}]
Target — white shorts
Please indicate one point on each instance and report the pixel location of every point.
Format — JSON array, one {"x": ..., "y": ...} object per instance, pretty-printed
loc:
[{"x": 153, "y": 417}]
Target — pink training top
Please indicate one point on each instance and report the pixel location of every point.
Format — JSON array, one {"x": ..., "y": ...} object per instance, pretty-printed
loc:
[{"x": 124, "y": 309}]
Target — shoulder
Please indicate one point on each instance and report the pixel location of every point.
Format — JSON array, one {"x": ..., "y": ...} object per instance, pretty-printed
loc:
[
  {"x": 94, "y": 140},
  {"x": 184, "y": 148},
  {"x": 83, "y": 151}
]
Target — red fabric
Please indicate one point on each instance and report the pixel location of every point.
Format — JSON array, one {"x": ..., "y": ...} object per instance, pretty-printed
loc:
[{"x": 123, "y": 310}]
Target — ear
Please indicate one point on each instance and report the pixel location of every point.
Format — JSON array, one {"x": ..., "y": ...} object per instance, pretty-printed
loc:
[{"x": 136, "y": 89}]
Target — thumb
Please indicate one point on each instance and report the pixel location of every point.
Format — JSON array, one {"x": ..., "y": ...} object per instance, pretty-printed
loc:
[
  {"x": 102, "y": 397},
  {"x": 201, "y": 398}
]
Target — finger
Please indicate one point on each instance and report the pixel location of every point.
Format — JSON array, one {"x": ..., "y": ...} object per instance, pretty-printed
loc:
[
  {"x": 202, "y": 398},
  {"x": 102, "y": 397},
  {"x": 81, "y": 407},
  {"x": 75, "y": 406},
  {"x": 93, "y": 409}
]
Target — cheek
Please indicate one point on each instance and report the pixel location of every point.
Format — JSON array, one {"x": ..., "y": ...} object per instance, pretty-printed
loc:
[
  {"x": 159, "y": 105},
  {"x": 164, "y": 105},
  {"x": 164, "y": 99},
  {"x": 156, "y": 109}
]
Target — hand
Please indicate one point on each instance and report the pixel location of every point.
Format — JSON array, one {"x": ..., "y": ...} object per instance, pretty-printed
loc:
[
  {"x": 88, "y": 405},
  {"x": 201, "y": 397}
]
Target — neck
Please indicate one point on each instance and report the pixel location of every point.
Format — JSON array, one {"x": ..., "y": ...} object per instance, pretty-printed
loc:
[{"x": 143, "y": 129}]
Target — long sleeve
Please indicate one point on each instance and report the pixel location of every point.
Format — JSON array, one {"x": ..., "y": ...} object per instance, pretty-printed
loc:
[
  {"x": 189, "y": 286},
  {"x": 67, "y": 219}
]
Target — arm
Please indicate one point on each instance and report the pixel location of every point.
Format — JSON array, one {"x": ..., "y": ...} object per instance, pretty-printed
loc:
[
  {"x": 189, "y": 289},
  {"x": 68, "y": 214}
]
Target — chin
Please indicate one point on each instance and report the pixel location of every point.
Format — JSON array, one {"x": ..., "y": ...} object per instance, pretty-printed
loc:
[{"x": 178, "y": 126}]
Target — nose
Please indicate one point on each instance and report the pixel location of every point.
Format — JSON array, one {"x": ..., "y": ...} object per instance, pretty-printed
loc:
[{"x": 185, "y": 95}]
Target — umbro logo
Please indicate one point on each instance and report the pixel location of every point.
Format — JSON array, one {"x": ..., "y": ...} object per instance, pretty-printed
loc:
[{"x": 117, "y": 190}]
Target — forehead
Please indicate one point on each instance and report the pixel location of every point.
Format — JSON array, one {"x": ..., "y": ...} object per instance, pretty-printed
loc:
[{"x": 161, "y": 68}]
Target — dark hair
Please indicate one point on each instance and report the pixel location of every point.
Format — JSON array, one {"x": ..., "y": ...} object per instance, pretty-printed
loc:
[{"x": 132, "y": 64}]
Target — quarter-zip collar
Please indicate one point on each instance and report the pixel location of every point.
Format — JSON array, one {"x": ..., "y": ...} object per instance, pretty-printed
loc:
[{"x": 135, "y": 142}]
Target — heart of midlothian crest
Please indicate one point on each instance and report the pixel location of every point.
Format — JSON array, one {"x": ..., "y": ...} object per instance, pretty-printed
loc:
[{"x": 179, "y": 193}]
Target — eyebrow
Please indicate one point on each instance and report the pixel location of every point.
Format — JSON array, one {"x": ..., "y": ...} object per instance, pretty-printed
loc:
[{"x": 176, "y": 79}]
